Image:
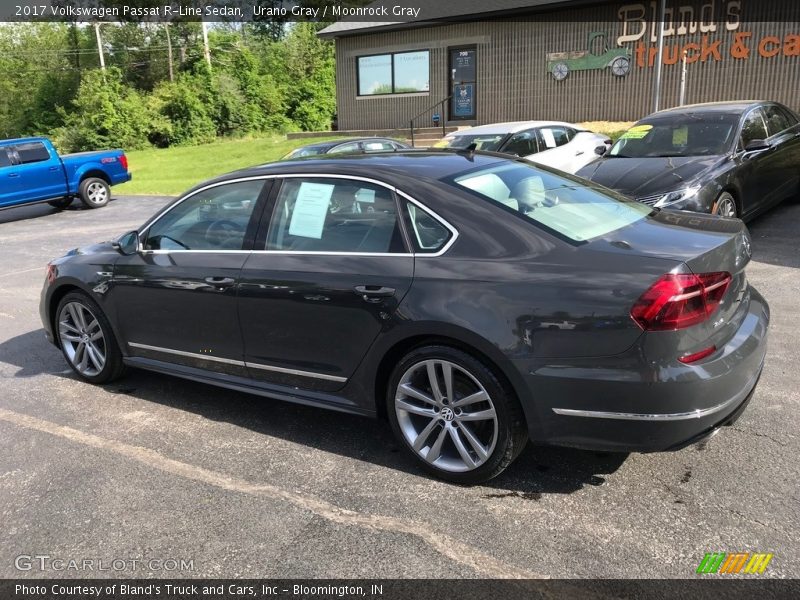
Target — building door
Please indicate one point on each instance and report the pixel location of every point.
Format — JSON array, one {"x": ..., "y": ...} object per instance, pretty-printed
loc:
[{"x": 463, "y": 83}]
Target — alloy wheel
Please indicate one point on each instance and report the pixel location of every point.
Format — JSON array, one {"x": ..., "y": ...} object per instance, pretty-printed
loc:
[
  {"x": 446, "y": 416},
  {"x": 96, "y": 192},
  {"x": 726, "y": 207},
  {"x": 82, "y": 339}
]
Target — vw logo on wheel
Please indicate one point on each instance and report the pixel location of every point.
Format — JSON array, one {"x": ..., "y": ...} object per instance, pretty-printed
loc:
[{"x": 447, "y": 413}]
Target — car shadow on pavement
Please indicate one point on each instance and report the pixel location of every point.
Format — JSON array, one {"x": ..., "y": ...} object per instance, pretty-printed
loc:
[
  {"x": 42, "y": 209},
  {"x": 537, "y": 471},
  {"x": 774, "y": 235}
]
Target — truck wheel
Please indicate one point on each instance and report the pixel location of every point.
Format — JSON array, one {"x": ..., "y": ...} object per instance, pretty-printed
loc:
[
  {"x": 61, "y": 203},
  {"x": 560, "y": 71},
  {"x": 620, "y": 66},
  {"x": 94, "y": 192}
]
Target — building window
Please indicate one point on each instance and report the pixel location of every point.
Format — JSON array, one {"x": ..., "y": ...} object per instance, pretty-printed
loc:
[{"x": 398, "y": 73}]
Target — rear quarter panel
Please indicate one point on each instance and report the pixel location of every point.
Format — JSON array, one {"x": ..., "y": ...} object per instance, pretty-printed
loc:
[{"x": 80, "y": 165}]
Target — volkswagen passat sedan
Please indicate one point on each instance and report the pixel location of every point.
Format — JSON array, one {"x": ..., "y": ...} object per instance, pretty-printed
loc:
[
  {"x": 422, "y": 287},
  {"x": 348, "y": 146},
  {"x": 563, "y": 146},
  {"x": 734, "y": 159}
]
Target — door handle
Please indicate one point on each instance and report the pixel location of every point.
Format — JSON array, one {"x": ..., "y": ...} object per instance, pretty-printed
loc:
[
  {"x": 220, "y": 282},
  {"x": 13, "y": 174},
  {"x": 372, "y": 292},
  {"x": 54, "y": 168},
  {"x": 579, "y": 152}
]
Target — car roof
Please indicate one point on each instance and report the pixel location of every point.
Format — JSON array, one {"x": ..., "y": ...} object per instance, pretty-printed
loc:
[
  {"x": 737, "y": 106},
  {"x": 510, "y": 127},
  {"x": 395, "y": 167}
]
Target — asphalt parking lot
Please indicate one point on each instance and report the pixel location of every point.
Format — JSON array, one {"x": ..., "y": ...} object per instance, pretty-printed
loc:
[{"x": 153, "y": 467}]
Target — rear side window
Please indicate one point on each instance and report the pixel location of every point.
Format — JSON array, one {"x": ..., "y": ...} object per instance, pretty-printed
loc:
[
  {"x": 5, "y": 160},
  {"x": 427, "y": 233},
  {"x": 553, "y": 137},
  {"x": 566, "y": 207},
  {"x": 32, "y": 152},
  {"x": 346, "y": 148},
  {"x": 335, "y": 216}
]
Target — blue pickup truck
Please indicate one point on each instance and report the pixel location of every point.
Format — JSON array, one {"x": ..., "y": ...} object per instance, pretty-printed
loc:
[{"x": 31, "y": 171}]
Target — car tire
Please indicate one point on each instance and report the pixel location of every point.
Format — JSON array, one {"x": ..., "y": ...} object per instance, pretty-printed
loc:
[
  {"x": 472, "y": 442},
  {"x": 87, "y": 340},
  {"x": 725, "y": 206},
  {"x": 560, "y": 71},
  {"x": 61, "y": 203},
  {"x": 94, "y": 192}
]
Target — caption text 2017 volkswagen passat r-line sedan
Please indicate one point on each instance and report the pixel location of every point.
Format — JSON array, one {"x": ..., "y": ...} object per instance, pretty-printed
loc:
[{"x": 473, "y": 300}]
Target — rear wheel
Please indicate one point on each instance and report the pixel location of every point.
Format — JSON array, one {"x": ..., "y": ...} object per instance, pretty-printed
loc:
[
  {"x": 560, "y": 71},
  {"x": 620, "y": 66},
  {"x": 454, "y": 416},
  {"x": 725, "y": 206},
  {"x": 94, "y": 192},
  {"x": 61, "y": 203},
  {"x": 86, "y": 339}
]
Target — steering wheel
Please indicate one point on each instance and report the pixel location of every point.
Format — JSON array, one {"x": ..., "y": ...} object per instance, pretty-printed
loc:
[{"x": 222, "y": 230}]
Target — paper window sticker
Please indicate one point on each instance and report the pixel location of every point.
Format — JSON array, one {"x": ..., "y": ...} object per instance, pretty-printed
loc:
[
  {"x": 310, "y": 210},
  {"x": 549, "y": 138},
  {"x": 636, "y": 133},
  {"x": 680, "y": 136}
]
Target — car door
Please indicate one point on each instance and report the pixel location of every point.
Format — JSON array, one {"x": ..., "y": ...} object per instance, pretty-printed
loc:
[
  {"x": 784, "y": 135},
  {"x": 756, "y": 172},
  {"x": 175, "y": 299},
  {"x": 8, "y": 180},
  {"x": 554, "y": 148},
  {"x": 330, "y": 268},
  {"x": 38, "y": 174}
]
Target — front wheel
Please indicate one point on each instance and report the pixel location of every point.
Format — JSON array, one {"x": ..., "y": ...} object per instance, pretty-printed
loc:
[
  {"x": 725, "y": 206},
  {"x": 454, "y": 416},
  {"x": 94, "y": 192},
  {"x": 86, "y": 339}
]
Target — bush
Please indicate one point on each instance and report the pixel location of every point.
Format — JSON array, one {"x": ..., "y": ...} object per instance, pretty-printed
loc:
[{"x": 185, "y": 115}]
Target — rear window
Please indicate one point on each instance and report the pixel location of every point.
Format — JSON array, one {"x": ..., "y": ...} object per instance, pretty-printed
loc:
[
  {"x": 563, "y": 206},
  {"x": 32, "y": 152}
]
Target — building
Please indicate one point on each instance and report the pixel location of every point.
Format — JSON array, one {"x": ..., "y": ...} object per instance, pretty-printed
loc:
[{"x": 474, "y": 62}]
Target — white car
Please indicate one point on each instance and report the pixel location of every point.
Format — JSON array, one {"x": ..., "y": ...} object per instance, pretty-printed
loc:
[{"x": 563, "y": 146}]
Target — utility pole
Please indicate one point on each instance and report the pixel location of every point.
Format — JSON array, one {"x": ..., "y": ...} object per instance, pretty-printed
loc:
[
  {"x": 169, "y": 52},
  {"x": 682, "y": 97},
  {"x": 99, "y": 46},
  {"x": 659, "y": 57},
  {"x": 206, "y": 51}
]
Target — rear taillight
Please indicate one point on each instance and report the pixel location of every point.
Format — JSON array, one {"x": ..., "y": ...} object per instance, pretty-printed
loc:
[
  {"x": 123, "y": 160},
  {"x": 678, "y": 301}
]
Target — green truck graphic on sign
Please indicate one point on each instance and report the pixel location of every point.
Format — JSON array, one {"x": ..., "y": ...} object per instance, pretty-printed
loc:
[{"x": 597, "y": 56}]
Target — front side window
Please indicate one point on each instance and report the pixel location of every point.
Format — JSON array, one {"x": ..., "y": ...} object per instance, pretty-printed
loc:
[
  {"x": 347, "y": 148},
  {"x": 776, "y": 120},
  {"x": 398, "y": 73},
  {"x": 214, "y": 219},
  {"x": 753, "y": 128},
  {"x": 489, "y": 142},
  {"x": 32, "y": 152},
  {"x": 564, "y": 206},
  {"x": 685, "y": 134},
  {"x": 378, "y": 146},
  {"x": 522, "y": 144},
  {"x": 334, "y": 215}
]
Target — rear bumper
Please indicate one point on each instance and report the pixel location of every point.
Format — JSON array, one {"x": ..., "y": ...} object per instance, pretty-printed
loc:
[{"x": 632, "y": 403}]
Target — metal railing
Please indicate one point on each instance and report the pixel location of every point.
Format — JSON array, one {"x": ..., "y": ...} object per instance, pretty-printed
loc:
[{"x": 440, "y": 103}]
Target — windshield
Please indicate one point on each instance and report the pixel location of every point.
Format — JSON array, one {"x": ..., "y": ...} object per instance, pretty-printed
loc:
[
  {"x": 489, "y": 142},
  {"x": 564, "y": 206},
  {"x": 678, "y": 135}
]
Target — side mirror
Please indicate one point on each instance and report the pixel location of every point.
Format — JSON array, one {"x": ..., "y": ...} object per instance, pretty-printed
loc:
[
  {"x": 756, "y": 145},
  {"x": 127, "y": 244},
  {"x": 600, "y": 150}
]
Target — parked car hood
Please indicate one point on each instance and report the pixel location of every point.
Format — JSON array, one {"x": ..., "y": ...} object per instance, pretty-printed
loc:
[{"x": 642, "y": 177}]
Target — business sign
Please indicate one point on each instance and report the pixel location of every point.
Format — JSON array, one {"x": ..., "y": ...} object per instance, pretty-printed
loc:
[{"x": 464, "y": 100}]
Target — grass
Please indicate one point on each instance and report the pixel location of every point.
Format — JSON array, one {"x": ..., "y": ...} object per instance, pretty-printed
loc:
[{"x": 171, "y": 171}]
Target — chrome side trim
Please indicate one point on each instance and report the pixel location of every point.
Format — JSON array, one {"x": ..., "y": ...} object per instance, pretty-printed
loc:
[
  {"x": 239, "y": 363},
  {"x": 682, "y": 416},
  {"x": 297, "y": 372},
  {"x": 227, "y": 361},
  {"x": 444, "y": 249}
]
